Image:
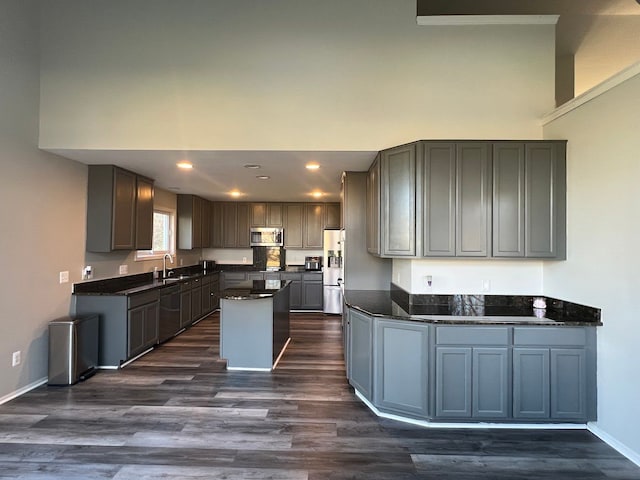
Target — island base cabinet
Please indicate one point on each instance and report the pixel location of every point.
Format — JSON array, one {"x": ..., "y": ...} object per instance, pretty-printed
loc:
[
  {"x": 401, "y": 367},
  {"x": 143, "y": 328},
  {"x": 360, "y": 352}
]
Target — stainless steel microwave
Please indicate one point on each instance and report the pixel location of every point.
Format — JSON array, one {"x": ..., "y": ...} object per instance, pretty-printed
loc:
[{"x": 266, "y": 237}]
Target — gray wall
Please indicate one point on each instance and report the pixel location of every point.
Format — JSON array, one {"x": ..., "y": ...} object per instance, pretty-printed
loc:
[{"x": 42, "y": 207}]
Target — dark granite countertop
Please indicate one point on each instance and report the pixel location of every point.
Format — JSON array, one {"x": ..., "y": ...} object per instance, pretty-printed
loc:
[
  {"x": 132, "y": 284},
  {"x": 254, "y": 289},
  {"x": 469, "y": 309}
]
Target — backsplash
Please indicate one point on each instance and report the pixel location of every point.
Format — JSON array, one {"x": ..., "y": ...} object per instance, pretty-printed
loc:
[{"x": 478, "y": 305}]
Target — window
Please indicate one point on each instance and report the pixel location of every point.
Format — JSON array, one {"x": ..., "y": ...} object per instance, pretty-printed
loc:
[{"x": 163, "y": 236}]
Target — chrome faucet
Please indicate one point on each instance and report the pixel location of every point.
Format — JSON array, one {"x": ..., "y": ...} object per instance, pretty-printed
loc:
[{"x": 164, "y": 264}]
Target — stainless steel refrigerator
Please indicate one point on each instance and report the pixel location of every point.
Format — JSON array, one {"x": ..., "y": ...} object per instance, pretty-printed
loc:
[{"x": 332, "y": 272}]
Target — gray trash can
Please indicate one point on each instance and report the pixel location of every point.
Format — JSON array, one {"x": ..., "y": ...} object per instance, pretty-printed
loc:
[{"x": 73, "y": 349}]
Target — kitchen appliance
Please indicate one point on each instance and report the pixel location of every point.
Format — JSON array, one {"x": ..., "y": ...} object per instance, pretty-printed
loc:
[
  {"x": 332, "y": 272},
  {"x": 312, "y": 263},
  {"x": 208, "y": 265},
  {"x": 266, "y": 237}
]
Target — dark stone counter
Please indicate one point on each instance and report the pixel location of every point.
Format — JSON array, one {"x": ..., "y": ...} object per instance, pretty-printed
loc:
[
  {"x": 254, "y": 289},
  {"x": 470, "y": 309}
]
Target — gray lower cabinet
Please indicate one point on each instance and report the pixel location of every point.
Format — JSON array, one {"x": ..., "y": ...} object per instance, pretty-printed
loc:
[
  {"x": 142, "y": 322},
  {"x": 185, "y": 305},
  {"x": 196, "y": 299},
  {"x": 231, "y": 279},
  {"x": 361, "y": 353},
  {"x": 255, "y": 275},
  {"x": 472, "y": 373},
  {"x": 312, "y": 293},
  {"x": 399, "y": 387},
  {"x": 295, "y": 290}
]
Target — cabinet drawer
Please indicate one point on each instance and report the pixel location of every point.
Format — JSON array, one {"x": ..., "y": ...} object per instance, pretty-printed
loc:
[
  {"x": 235, "y": 276},
  {"x": 185, "y": 286},
  {"x": 472, "y": 335},
  {"x": 550, "y": 336},
  {"x": 290, "y": 276},
  {"x": 143, "y": 298},
  {"x": 312, "y": 277}
]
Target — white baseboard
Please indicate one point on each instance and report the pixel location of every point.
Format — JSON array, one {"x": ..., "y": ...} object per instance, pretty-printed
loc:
[
  {"x": 23, "y": 390},
  {"x": 613, "y": 443}
]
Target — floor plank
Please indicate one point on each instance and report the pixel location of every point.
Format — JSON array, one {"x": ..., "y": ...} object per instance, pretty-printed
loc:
[{"x": 176, "y": 413}]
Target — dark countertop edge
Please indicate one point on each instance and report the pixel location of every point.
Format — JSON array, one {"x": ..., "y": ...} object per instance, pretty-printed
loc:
[
  {"x": 154, "y": 285},
  {"x": 465, "y": 320},
  {"x": 259, "y": 296}
]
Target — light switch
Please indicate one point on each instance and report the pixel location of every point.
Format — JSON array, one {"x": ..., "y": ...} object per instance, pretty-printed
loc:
[
  {"x": 64, "y": 277},
  {"x": 124, "y": 269}
]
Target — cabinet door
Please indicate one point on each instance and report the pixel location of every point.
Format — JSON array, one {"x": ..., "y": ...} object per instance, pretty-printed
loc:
[
  {"x": 229, "y": 230},
  {"x": 568, "y": 383},
  {"x": 144, "y": 214},
  {"x": 242, "y": 225},
  {"x": 332, "y": 216},
  {"x": 491, "y": 379},
  {"x": 293, "y": 232},
  {"x": 373, "y": 208},
  {"x": 541, "y": 199},
  {"x": 274, "y": 215},
  {"x": 217, "y": 225},
  {"x": 196, "y": 303},
  {"x": 189, "y": 222},
  {"x": 398, "y": 201},
  {"x": 197, "y": 222},
  {"x": 312, "y": 295},
  {"x": 206, "y": 296},
  {"x": 531, "y": 383},
  {"x": 439, "y": 199},
  {"x": 124, "y": 210},
  {"x": 231, "y": 279},
  {"x": 258, "y": 214},
  {"x": 360, "y": 348},
  {"x": 453, "y": 382},
  {"x": 205, "y": 221},
  {"x": 135, "y": 338},
  {"x": 401, "y": 367},
  {"x": 185, "y": 309},
  {"x": 313, "y": 225},
  {"x": 150, "y": 326},
  {"x": 472, "y": 199},
  {"x": 508, "y": 200}
]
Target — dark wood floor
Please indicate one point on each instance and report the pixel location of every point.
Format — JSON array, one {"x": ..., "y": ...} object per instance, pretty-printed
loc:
[{"x": 177, "y": 413}]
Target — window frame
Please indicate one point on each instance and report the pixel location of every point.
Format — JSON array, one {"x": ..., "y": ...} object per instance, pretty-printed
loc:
[{"x": 144, "y": 255}]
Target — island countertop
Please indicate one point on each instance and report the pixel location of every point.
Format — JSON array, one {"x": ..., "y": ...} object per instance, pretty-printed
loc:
[
  {"x": 254, "y": 289},
  {"x": 470, "y": 309}
]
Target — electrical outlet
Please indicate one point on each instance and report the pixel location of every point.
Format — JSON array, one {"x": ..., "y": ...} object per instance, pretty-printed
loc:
[
  {"x": 64, "y": 277},
  {"x": 124, "y": 269},
  {"x": 15, "y": 359},
  {"x": 486, "y": 285},
  {"x": 244, "y": 259}
]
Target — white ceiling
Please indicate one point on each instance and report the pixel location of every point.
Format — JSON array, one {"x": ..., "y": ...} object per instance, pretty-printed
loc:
[{"x": 215, "y": 173}]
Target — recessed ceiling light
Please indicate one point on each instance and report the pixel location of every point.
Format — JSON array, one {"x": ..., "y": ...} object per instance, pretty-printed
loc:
[
  {"x": 263, "y": 177},
  {"x": 317, "y": 194},
  {"x": 312, "y": 166},
  {"x": 252, "y": 165},
  {"x": 185, "y": 165},
  {"x": 235, "y": 193}
]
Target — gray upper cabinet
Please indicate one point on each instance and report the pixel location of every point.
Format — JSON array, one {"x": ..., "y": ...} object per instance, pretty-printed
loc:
[
  {"x": 473, "y": 172},
  {"x": 266, "y": 214},
  {"x": 235, "y": 228},
  {"x": 313, "y": 225},
  {"x": 274, "y": 215},
  {"x": 189, "y": 222},
  {"x": 398, "y": 201},
  {"x": 293, "y": 218},
  {"x": 112, "y": 210},
  {"x": 205, "y": 219},
  {"x": 144, "y": 213},
  {"x": 545, "y": 192},
  {"x": 439, "y": 199},
  {"x": 529, "y": 188},
  {"x": 508, "y": 199},
  {"x": 455, "y": 181},
  {"x": 373, "y": 207},
  {"x": 332, "y": 218},
  {"x": 216, "y": 239}
]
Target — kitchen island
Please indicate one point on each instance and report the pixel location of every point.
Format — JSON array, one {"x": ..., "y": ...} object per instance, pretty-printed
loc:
[
  {"x": 434, "y": 359},
  {"x": 254, "y": 324}
]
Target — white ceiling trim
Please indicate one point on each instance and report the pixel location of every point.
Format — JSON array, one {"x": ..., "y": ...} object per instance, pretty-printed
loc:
[
  {"x": 611, "y": 82},
  {"x": 461, "y": 20}
]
